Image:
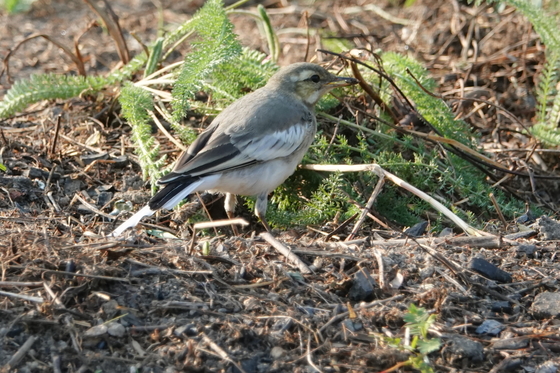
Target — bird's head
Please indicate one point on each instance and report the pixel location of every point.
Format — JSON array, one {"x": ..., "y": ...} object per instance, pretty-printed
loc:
[{"x": 307, "y": 81}]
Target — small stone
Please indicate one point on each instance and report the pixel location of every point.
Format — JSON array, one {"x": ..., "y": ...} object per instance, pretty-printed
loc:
[
  {"x": 96, "y": 331},
  {"x": 549, "y": 229},
  {"x": 446, "y": 232},
  {"x": 116, "y": 330},
  {"x": 526, "y": 249},
  {"x": 120, "y": 161},
  {"x": 490, "y": 327},
  {"x": 489, "y": 270},
  {"x": 511, "y": 344},
  {"x": 277, "y": 352},
  {"x": 547, "y": 367},
  {"x": 349, "y": 324},
  {"x": 417, "y": 230},
  {"x": 464, "y": 348},
  {"x": 90, "y": 158},
  {"x": 502, "y": 306},
  {"x": 362, "y": 286},
  {"x": 546, "y": 305}
]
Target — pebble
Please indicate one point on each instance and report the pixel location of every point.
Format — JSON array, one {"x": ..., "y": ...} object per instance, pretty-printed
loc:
[
  {"x": 277, "y": 352},
  {"x": 546, "y": 305}
]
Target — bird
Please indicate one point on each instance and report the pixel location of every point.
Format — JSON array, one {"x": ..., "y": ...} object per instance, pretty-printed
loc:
[{"x": 252, "y": 146}]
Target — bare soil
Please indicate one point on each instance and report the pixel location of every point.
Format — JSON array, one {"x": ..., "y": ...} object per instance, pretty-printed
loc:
[{"x": 153, "y": 305}]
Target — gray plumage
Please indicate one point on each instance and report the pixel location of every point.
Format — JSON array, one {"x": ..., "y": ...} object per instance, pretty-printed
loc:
[{"x": 252, "y": 146}]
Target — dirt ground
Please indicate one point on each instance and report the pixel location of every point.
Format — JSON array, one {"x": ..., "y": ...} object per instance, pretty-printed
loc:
[{"x": 90, "y": 304}]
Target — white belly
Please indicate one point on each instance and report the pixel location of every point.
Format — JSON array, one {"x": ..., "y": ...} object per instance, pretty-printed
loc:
[{"x": 256, "y": 179}]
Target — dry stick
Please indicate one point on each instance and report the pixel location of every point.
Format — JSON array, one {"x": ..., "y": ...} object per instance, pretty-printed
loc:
[
  {"x": 286, "y": 252},
  {"x": 367, "y": 209},
  {"x": 488, "y": 242},
  {"x": 498, "y": 209},
  {"x": 379, "y": 258},
  {"x": 84, "y": 275},
  {"x": 342, "y": 315},
  {"x": 92, "y": 208},
  {"x": 310, "y": 358},
  {"x": 4, "y": 284},
  {"x": 218, "y": 350},
  {"x": 20, "y": 353},
  {"x": 166, "y": 133},
  {"x": 21, "y": 296},
  {"x": 215, "y": 224},
  {"x": 399, "y": 182},
  {"x": 56, "y": 132}
]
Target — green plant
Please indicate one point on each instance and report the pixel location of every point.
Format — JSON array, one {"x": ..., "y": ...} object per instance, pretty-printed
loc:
[
  {"x": 548, "y": 27},
  {"x": 418, "y": 321},
  {"x": 16, "y": 6}
]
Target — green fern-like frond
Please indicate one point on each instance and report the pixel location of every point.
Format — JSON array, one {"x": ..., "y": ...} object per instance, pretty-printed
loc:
[
  {"x": 217, "y": 45},
  {"x": 432, "y": 108},
  {"x": 546, "y": 89},
  {"x": 234, "y": 78},
  {"x": 46, "y": 87},
  {"x": 136, "y": 103}
]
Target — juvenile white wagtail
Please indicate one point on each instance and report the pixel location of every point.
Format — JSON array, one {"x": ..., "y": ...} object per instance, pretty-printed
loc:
[{"x": 252, "y": 146}]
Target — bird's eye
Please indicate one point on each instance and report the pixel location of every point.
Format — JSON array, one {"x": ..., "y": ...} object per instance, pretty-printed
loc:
[{"x": 315, "y": 78}]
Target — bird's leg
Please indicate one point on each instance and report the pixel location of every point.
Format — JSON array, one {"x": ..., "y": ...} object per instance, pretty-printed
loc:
[
  {"x": 229, "y": 205},
  {"x": 260, "y": 209}
]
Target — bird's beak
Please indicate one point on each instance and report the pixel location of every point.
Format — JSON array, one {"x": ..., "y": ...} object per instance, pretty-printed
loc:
[{"x": 340, "y": 81}]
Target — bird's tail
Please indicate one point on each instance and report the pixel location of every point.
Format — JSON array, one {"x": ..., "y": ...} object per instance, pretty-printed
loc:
[
  {"x": 166, "y": 198},
  {"x": 133, "y": 220}
]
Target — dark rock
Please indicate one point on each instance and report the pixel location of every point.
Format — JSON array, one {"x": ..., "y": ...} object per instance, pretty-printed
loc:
[
  {"x": 490, "y": 327},
  {"x": 446, "y": 232},
  {"x": 512, "y": 365},
  {"x": 502, "y": 306},
  {"x": 546, "y": 305},
  {"x": 72, "y": 186},
  {"x": 120, "y": 161},
  {"x": 362, "y": 286},
  {"x": 90, "y": 158},
  {"x": 460, "y": 348},
  {"x": 526, "y": 218},
  {"x": 549, "y": 229},
  {"x": 526, "y": 249},
  {"x": 417, "y": 230},
  {"x": 104, "y": 198},
  {"x": 37, "y": 173},
  {"x": 489, "y": 270},
  {"x": 349, "y": 324}
]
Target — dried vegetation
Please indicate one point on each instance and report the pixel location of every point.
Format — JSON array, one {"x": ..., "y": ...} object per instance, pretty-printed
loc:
[{"x": 81, "y": 303}]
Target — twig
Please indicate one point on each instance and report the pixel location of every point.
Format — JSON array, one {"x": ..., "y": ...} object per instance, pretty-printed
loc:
[
  {"x": 342, "y": 315},
  {"x": 24, "y": 297},
  {"x": 367, "y": 208},
  {"x": 214, "y": 224},
  {"x": 489, "y": 242},
  {"x": 88, "y": 276},
  {"x": 13, "y": 284},
  {"x": 286, "y": 252},
  {"x": 401, "y": 183},
  {"x": 20, "y": 353},
  {"x": 166, "y": 133},
  {"x": 310, "y": 358},
  {"x": 221, "y": 353},
  {"x": 92, "y": 208}
]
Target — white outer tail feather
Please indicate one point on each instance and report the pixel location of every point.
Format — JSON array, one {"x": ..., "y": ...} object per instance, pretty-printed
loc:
[
  {"x": 132, "y": 221},
  {"x": 147, "y": 211}
]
